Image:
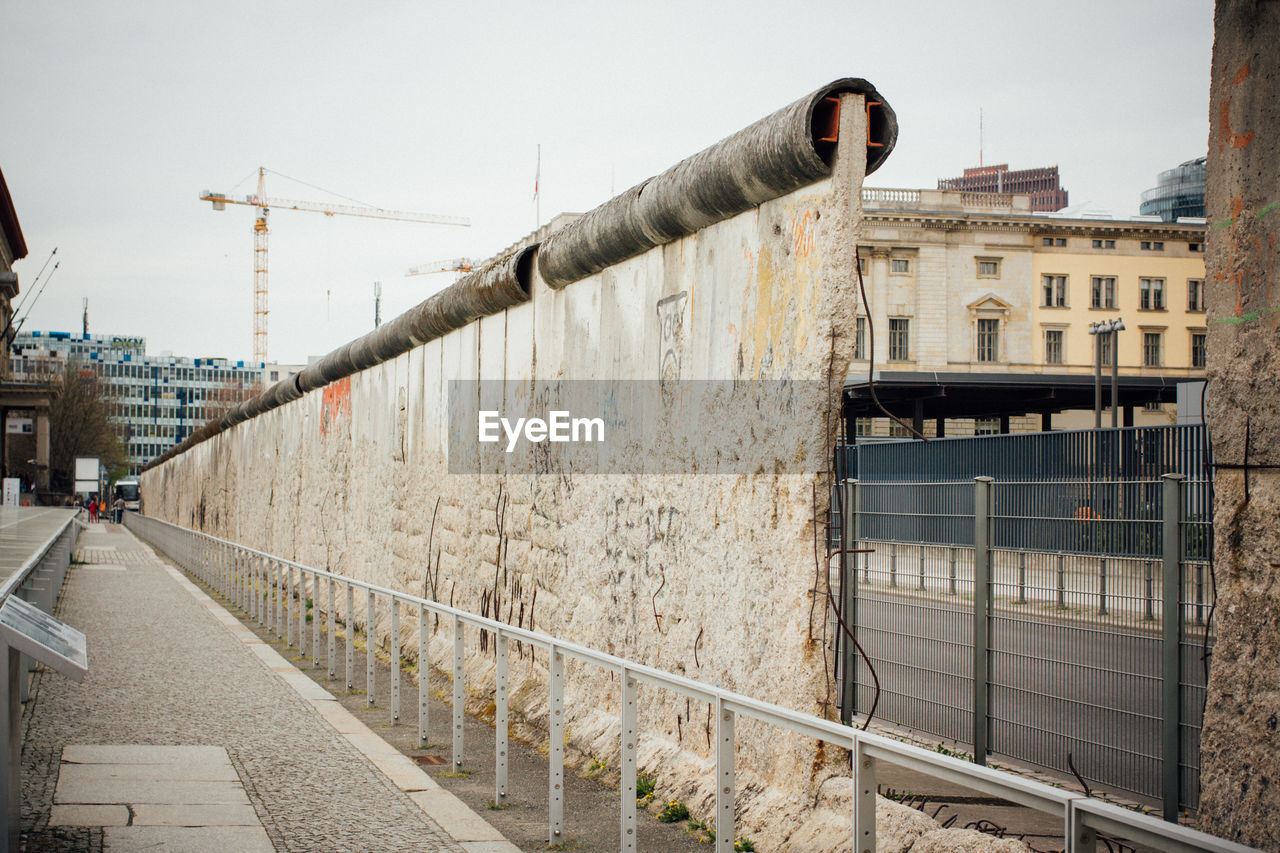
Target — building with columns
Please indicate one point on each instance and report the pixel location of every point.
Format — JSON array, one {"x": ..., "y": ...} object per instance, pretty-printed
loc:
[{"x": 980, "y": 309}]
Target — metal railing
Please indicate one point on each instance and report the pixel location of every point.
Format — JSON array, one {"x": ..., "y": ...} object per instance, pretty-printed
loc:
[
  {"x": 39, "y": 579},
  {"x": 273, "y": 591}
]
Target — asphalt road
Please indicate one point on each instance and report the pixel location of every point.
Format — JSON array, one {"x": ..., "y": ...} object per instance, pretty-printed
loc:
[{"x": 1060, "y": 686}]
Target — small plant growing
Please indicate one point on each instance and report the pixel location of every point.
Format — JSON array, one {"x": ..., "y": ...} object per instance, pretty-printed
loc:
[
  {"x": 701, "y": 832},
  {"x": 673, "y": 812},
  {"x": 644, "y": 786},
  {"x": 744, "y": 844},
  {"x": 596, "y": 767}
]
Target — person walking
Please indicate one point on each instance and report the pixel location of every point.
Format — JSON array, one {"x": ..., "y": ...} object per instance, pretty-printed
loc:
[
  {"x": 93, "y": 509},
  {"x": 118, "y": 506}
]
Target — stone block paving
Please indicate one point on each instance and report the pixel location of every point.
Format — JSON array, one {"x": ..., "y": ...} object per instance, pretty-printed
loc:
[{"x": 164, "y": 672}]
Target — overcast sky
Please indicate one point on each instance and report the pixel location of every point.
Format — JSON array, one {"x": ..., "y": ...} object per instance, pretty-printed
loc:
[{"x": 117, "y": 115}]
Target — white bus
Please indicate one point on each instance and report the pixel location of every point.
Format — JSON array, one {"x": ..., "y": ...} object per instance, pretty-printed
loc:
[{"x": 128, "y": 488}]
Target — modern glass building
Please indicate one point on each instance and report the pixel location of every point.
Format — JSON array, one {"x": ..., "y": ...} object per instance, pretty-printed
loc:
[{"x": 1178, "y": 192}]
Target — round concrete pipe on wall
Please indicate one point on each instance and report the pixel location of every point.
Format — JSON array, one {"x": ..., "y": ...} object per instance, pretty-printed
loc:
[
  {"x": 497, "y": 285},
  {"x": 777, "y": 155}
]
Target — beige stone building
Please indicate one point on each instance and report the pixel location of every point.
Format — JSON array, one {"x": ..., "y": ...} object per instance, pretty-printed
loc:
[{"x": 980, "y": 312}]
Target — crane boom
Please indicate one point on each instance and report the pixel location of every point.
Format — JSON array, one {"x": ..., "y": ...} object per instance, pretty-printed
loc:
[
  {"x": 264, "y": 203},
  {"x": 334, "y": 209}
]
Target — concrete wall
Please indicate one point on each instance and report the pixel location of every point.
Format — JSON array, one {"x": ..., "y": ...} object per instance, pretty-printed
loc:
[
  {"x": 711, "y": 576},
  {"x": 1240, "y": 748}
]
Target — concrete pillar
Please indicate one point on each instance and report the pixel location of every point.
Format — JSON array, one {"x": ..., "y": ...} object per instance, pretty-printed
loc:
[
  {"x": 42, "y": 450},
  {"x": 879, "y": 296},
  {"x": 1046, "y": 421},
  {"x": 941, "y": 431},
  {"x": 1240, "y": 745}
]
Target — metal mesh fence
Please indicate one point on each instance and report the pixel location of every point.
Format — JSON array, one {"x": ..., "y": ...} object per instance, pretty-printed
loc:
[{"x": 1074, "y": 655}]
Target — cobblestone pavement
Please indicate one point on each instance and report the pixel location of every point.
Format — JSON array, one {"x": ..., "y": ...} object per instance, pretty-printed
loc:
[{"x": 163, "y": 671}]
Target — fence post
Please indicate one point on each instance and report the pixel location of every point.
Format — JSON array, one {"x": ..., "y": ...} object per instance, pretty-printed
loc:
[
  {"x": 951, "y": 573},
  {"x": 981, "y": 614},
  {"x": 1102, "y": 586},
  {"x": 893, "y": 564},
  {"x": 1062, "y": 581},
  {"x": 849, "y": 598},
  {"x": 1022, "y": 577},
  {"x": 1149, "y": 607},
  {"x": 1171, "y": 634},
  {"x": 920, "y": 551}
]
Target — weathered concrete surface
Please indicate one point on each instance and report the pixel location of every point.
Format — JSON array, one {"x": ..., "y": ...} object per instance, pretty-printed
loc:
[
  {"x": 1240, "y": 747},
  {"x": 712, "y": 576}
]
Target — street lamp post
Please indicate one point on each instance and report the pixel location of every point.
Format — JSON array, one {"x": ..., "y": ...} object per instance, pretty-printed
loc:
[
  {"x": 1106, "y": 327},
  {"x": 1117, "y": 326}
]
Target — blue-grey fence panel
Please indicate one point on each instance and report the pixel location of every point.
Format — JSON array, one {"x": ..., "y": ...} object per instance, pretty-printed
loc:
[
  {"x": 1114, "y": 508},
  {"x": 1128, "y": 453}
]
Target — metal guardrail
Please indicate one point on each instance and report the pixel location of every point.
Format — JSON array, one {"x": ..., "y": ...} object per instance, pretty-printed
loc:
[
  {"x": 273, "y": 591},
  {"x": 22, "y": 576}
]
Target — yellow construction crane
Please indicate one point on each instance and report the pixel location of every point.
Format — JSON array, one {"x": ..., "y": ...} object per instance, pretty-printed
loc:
[
  {"x": 450, "y": 265},
  {"x": 264, "y": 203}
]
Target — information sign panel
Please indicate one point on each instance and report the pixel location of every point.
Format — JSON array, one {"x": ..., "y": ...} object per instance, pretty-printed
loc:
[
  {"x": 51, "y": 641},
  {"x": 87, "y": 468}
]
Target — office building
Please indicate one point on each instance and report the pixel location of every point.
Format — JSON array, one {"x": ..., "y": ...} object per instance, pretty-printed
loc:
[
  {"x": 1178, "y": 192},
  {"x": 155, "y": 400},
  {"x": 1040, "y": 184}
]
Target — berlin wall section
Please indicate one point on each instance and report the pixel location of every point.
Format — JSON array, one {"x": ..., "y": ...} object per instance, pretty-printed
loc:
[
  {"x": 708, "y": 575},
  {"x": 1240, "y": 748}
]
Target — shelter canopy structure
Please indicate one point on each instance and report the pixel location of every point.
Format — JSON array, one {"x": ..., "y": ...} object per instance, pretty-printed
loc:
[{"x": 919, "y": 396}]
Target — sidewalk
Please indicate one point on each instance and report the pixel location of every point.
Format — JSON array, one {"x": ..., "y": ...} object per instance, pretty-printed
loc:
[{"x": 190, "y": 734}]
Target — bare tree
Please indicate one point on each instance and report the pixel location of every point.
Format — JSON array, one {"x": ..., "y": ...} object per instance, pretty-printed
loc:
[{"x": 79, "y": 426}]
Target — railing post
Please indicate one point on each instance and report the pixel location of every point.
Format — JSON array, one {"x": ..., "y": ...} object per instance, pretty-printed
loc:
[
  {"x": 920, "y": 552},
  {"x": 1079, "y": 838},
  {"x": 893, "y": 564},
  {"x": 424, "y": 678},
  {"x": 459, "y": 691},
  {"x": 500, "y": 722},
  {"x": 370, "y": 658},
  {"x": 1171, "y": 634},
  {"x": 287, "y": 596},
  {"x": 864, "y": 799},
  {"x": 302, "y": 614},
  {"x": 849, "y": 599},
  {"x": 394, "y": 645},
  {"x": 277, "y": 598},
  {"x": 981, "y": 615},
  {"x": 555, "y": 781},
  {"x": 725, "y": 784},
  {"x": 315, "y": 619},
  {"x": 627, "y": 782},
  {"x": 333, "y": 625},
  {"x": 349, "y": 654},
  {"x": 951, "y": 572}
]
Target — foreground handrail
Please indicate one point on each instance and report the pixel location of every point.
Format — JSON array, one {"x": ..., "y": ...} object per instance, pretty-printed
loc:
[
  {"x": 16, "y": 579},
  {"x": 264, "y": 587}
]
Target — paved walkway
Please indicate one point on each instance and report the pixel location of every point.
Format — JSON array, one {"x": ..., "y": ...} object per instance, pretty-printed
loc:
[{"x": 255, "y": 756}]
